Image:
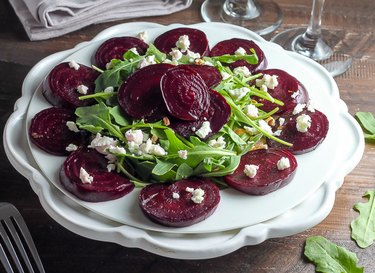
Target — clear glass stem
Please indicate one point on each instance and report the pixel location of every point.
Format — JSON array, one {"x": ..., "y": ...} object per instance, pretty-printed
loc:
[{"x": 244, "y": 9}]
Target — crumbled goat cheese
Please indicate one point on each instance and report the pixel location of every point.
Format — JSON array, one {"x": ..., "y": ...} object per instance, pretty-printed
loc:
[
  {"x": 102, "y": 143},
  {"x": 192, "y": 54},
  {"x": 310, "y": 106},
  {"x": 149, "y": 60},
  {"x": 250, "y": 130},
  {"x": 281, "y": 121},
  {"x": 240, "y": 51},
  {"x": 71, "y": 147},
  {"x": 251, "y": 170},
  {"x": 111, "y": 167},
  {"x": 298, "y": 108},
  {"x": 158, "y": 150},
  {"x": 251, "y": 110},
  {"x": 225, "y": 75},
  {"x": 295, "y": 94},
  {"x": 117, "y": 150},
  {"x": 183, "y": 43},
  {"x": 303, "y": 123},
  {"x": 217, "y": 143},
  {"x": 134, "y": 148},
  {"x": 154, "y": 149},
  {"x": 82, "y": 89},
  {"x": 72, "y": 126},
  {"x": 277, "y": 132},
  {"x": 183, "y": 154},
  {"x": 135, "y": 136},
  {"x": 269, "y": 81},
  {"x": 175, "y": 54},
  {"x": 85, "y": 177},
  {"x": 142, "y": 35},
  {"x": 111, "y": 158},
  {"x": 175, "y": 195},
  {"x": 134, "y": 50},
  {"x": 283, "y": 163},
  {"x": 238, "y": 93},
  {"x": 204, "y": 130},
  {"x": 265, "y": 127},
  {"x": 197, "y": 194},
  {"x": 74, "y": 65},
  {"x": 109, "y": 89},
  {"x": 188, "y": 189},
  {"x": 242, "y": 70}
]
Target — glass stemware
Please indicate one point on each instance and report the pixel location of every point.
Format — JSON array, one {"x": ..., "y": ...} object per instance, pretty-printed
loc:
[
  {"x": 260, "y": 16},
  {"x": 320, "y": 45}
]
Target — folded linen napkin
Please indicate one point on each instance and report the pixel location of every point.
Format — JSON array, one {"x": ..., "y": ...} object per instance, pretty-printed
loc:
[{"x": 44, "y": 19}]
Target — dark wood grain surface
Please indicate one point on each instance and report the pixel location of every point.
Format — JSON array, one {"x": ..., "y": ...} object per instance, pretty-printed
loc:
[{"x": 63, "y": 251}]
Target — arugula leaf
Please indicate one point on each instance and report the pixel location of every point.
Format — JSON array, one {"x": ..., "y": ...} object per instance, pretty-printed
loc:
[
  {"x": 162, "y": 167},
  {"x": 363, "y": 228},
  {"x": 330, "y": 258},
  {"x": 227, "y": 58},
  {"x": 159, "y": 56},
  {"x": 367, "y": 120}
]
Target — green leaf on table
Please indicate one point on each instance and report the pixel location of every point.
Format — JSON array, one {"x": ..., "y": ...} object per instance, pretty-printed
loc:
[
  {"x": 330, "y": 258},
  {"x": 363, "y": 228},
  {"x": 367, "y": 120}
]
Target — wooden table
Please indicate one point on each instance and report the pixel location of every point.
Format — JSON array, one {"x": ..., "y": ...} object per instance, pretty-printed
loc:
[{"x": 64, "y": 251}]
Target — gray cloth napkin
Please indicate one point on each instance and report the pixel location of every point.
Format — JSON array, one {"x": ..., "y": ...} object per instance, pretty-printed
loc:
[{"x": 44, "y": 19}]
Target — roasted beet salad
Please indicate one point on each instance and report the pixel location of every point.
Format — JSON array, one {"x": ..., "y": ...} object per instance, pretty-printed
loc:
[{"x": 178, "y": 120}]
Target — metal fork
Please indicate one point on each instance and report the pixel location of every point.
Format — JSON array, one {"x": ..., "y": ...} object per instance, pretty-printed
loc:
[{"x": 17, "y": 248}]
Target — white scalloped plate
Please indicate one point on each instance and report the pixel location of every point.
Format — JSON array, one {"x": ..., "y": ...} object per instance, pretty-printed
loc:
[{"x": 317, "y": 202}]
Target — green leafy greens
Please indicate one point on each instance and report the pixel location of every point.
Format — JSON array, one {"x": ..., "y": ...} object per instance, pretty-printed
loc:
[{"x": 367, "y": 121}]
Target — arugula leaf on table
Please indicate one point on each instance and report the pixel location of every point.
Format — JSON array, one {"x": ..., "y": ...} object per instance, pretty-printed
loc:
[
  {"x": 363, "y": 228},
  {"x": 367, "y": 120},
  {"x": 330, "y": 258}
]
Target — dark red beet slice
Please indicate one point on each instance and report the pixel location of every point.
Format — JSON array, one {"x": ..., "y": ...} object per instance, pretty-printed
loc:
[
  {"x": 171, "y": 205},
  {"x": 60, "y": 86},
  {"x": 104, "y": 186},
  {"x": 185, "y": 93},
  {"x": 210, "y": 75},
  {"x": 48, "y": 131},
  {"x": 218, "y": 115},
  {"x": 198, "y": 40},
  {"x": 302, "y": 142},
  {"x": 230, "y": 47},
  {"x": 115, "y": 48},
  {"x": 268, "y": 177},
  {"x": 284, "y": 91},
  {"x": 140, "y": 96}
]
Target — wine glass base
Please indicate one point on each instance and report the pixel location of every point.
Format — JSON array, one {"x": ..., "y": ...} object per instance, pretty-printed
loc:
[
  {"x": 328, "y": 50},
  {"x": 265, "y": 15}
]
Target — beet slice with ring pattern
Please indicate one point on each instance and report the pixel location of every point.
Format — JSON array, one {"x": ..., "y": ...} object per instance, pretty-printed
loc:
[
  {"x": 172, "y": 205},
  {"x": 140, "y": 96},
  {"x": 115, "y": 48},
  {"x": 198, "y": 40},
  {"x": 104, "y": 186},
  {"x": 185, "y": 93},
  {"x": 230, "y": 47},
  {"x": 210, "y": 74},
  {"x": 60, "y": 87},
  {"x": 302, "y": 142},
  {"x": 268, "y": 177},
  {"x": 48, "y": 131}
]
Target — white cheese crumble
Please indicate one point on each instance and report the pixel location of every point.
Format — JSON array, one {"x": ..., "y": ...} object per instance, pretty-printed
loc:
[
  {"x": 197, "y": 194},
  {"x": 149, "y": 60},
  {"x": 183, "y": 43},
  {"x": 175, "y": 54},
  {"x": 72, "y": 126},
  {"x": 135, "y": 136},
  {"x": 217, "y": 143},
  {"x": 281, "y": 121},
  {"x": 295, "y": 94},
  {"x": 310, "y": 106},
  {"x": 251, "y": 170},
  {"x": 102, "y": 143},
  {"x": 142, "y": 35},
  {"x": 251, "y": 110},
  {"x": 111, "y": 167},
  {"x": 283, "y": 164},
  {"x": 277, "y": 133},
  {"x": 303, "y": 123},
  {"x": 238, "y": 93},
  {"x": 82, "y": 89},
  {"x": 154, "y": 149},
  {"x": 182, "y": 154},
  {"x": 268, "y": 81},
  {"x": 85, "y": 177},
  {"x": 109, "y": 89},
  {"x": 250, "y": 130},
  {"x": 225, "y": 75},
  {"x": 73, "y": 64},
  {"x": 204, "y": 130},
  {"x": 298, "y": 108},
  {"x": 240, "y": 51},
  {"x": 242, "y": 70},
  {"x": 265, "y": 127},
  {"x": 134, "y": 50},
  {"x": 71, "y": 147},
  {"x": 117, "y": 150},
  {"x": 192, "y": 55},
  {"x": 175, "y": 195}
]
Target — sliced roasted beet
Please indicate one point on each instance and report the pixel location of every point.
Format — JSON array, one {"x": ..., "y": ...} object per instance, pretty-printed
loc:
[
  {"x": 173, "y": 205},
  {"x": 140, "y": 96},
  {"x": 185, "y": 93},
  {"x": 218, "y": 115},
  {"x": 230, "y": 47},
  {"x": 268, "y": 177},
  {"x": 198, "y": 40},
  {"x": 115, "y": 48},
  {"x": 289, "y": 90},
  {"x": 60, "y": 87},
  {"x": 302, "y": 142},
  {"x": 210, "y": 75},
  {"x": 48, "y": 131},
  {"x": 104, "y": 186}
]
